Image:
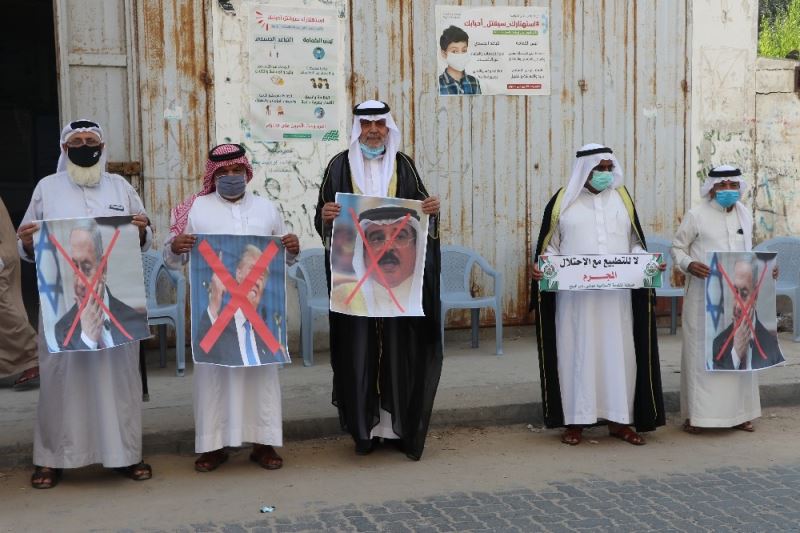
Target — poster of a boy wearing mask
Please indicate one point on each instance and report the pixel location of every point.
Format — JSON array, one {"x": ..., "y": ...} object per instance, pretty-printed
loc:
[{"x": 454, "y": 49}]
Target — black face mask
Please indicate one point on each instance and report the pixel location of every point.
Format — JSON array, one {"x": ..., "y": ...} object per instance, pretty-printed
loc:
[{"x": 85, "y": 156}]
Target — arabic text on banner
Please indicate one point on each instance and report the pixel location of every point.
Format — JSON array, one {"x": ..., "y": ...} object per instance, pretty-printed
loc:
[
  {"x": 509, "y": 47},
  {"x": 293, "y": 74},
  {"x": 585, "y": 272}
]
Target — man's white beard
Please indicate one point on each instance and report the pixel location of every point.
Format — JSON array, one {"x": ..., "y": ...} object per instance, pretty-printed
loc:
[{"x": 85, "y": 176}]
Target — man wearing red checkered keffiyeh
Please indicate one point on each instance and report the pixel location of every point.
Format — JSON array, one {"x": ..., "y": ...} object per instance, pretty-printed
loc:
[{"x": 237, "y": 397}]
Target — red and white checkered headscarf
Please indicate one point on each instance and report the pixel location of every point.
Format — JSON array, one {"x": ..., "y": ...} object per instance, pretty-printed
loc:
[{"x": 220, "y": 156}]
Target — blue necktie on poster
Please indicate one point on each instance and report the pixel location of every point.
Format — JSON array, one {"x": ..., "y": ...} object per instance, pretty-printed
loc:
[{"x": 251, "y": 356}]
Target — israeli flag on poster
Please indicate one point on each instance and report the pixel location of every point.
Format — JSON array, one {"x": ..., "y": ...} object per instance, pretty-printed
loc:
[{"x": 49, "y": 277}]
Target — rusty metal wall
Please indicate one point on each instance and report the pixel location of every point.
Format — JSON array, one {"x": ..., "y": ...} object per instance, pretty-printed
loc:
[
  {"x": 176, "y": 117},
  {"x": 495, "y": 161}
]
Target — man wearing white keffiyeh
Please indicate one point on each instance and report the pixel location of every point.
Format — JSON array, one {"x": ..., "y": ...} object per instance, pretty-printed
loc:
[
  {"x": 385, "y": 370},
  {"x": 90, "y": 403},
  {"x": 720, "y": 223},
  {"x": 597, "y": 349}
]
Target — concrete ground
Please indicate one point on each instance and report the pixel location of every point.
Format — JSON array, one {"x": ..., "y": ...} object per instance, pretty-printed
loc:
[
  {"x": 477, "y": 388},
  {"x": 480, "y": 479}
]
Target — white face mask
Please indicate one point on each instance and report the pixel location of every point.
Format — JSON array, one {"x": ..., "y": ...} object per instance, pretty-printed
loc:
[{"x": 458, "y": 61}]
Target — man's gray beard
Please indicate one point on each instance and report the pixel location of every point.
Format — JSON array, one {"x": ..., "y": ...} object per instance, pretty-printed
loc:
[{"x": 85, "y": 176}]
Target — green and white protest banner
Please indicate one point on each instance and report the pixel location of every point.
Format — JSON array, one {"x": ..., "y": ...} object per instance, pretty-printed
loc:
[{"x": 612, "y": 271}]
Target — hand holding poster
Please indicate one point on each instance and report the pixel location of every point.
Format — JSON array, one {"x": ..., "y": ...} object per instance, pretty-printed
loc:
[
  {"x": 493, "y": 50},
  {"x": 91, "y": 283},
  {"x": 378, "y": 256},
  {"x": 586, "y": 272},
  {"x": 741, "y": 323},
  {"x": 238, "y": 285}
]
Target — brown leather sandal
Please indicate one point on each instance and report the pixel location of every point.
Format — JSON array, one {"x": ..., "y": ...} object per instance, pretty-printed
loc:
[
  {"x": 141, "y": 471},
  {"x": 44, "y": 477},
  {"x": 266, "y": 457},
  {"x": 622, "y": 432},
  {"x": 572, "y": 435},
  {"x": 210, "y": 461},
  {"x": 28, "y": 379},
  {"x": 689, "y": 428},
  {"x": 745, "y": 426}
]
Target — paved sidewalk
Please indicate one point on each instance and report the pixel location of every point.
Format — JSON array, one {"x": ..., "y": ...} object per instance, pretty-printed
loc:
[
  {"x": 721, "y": 499},
  {"x": 476, "y": 388}
]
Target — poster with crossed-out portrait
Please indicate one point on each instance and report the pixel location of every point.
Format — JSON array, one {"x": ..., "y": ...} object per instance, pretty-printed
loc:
[
  {"x": 377, "y": 256},
  {"x": 238, "y": 300},
  {"x": 741, "y": 322},
  {"x": 91, "y": 283}
]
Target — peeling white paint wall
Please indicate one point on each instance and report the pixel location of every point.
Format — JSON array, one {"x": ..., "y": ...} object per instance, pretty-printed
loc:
[
  {"x": 776, "y": 201},
  {"x": 288, "y": 173},
  {"x": 723, "y": 40}
]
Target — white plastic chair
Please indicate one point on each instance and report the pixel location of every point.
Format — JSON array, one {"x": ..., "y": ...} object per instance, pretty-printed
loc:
[
  {"x": 162, "y": 314},
  {"x": 788, "y": 283},
  {"x": 656, "y": 244},
  {"x": 308, "y": 273},
  {"x": 457, "y": 263}
]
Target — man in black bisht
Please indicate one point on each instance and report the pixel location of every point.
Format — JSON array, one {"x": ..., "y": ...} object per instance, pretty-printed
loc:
[
  {"x": 598, "y": 353},
  {"x": 385, "y": 370}
]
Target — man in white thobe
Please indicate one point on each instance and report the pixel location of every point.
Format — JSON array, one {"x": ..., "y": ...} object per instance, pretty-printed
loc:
[
  {"x": 720, "y": 223},
  {"x": 232, "y": 405},
  {"x": 90, "y": 403},
  {"x": 599, "y": 359}
]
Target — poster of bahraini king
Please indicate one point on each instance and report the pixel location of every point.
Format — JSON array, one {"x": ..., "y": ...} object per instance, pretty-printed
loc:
[
  {"x": 378, "y": 250},
  {"x": 238, "y": 287},
  {"x": 91, "y": 283},
  {"x": 741, "y": 323}
]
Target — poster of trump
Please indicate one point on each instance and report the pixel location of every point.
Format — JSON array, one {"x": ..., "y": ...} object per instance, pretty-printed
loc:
[
  {"x": 741, "y": 322},
  {"x": 238, "y": 300},
  {"x": 91, "y": 283},
  {"x": 378, "y": 256}
]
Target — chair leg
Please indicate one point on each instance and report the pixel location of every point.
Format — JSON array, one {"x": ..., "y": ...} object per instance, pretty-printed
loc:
[
  {"x": 442, "y": 314},
  {"x": 180, "y": 349},
  {"x": 307, "y": 337},
  {"x": 498, "y": 331},
  {"x": 143, "y": 372},
  {"x": 673, "y": 315},
  {"x": 162, "y": 345},
  {"x": 475, "y": 320}
]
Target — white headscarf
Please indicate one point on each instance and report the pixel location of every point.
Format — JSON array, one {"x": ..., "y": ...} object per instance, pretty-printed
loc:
[
  {"x": 414, "y": 306},
  {"x": 731, "y": 173},
  {"x": 79, "y": 126},
  {"x": 355, "y": 156},
  {"x": 588, "y": 157}
]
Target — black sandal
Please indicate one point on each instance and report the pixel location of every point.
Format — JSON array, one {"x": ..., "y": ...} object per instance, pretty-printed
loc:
[
  {"x": 139, "y": 472},
  {"x": 47, "y": 477}
]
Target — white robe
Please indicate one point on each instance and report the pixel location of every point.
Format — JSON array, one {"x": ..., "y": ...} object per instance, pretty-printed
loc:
[
  {"x": 709, "y": 399},
  {"x": 234, "y": 405},
  {"x": 90, "y": 403},
  {"x": 596, "y": 356}
]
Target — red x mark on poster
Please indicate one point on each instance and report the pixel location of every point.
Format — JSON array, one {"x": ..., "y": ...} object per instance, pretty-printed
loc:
[
  {"x": 238, "y": 296},
  {"x": 374, "y": 258},
  {"x": 746, "y": 307},
  {"x": 91, "y": 286}
]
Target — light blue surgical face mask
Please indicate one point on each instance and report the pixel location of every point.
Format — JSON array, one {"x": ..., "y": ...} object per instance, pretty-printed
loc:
[
  {"x": 601, "y": 179},
  {"x": 231, "y": 186},
  {"x": 727, "y": 198},
  {"x": 371, "y": 153}
]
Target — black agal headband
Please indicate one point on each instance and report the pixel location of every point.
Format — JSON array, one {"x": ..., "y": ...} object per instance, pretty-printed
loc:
[
  {"x": 714, "y": 173},
  {"x": 82, "y": 124},
  {"x": 593, "y": 151},
  {"x": 389, "y": 212},
  {"x": 226, "y": 156},
  {"x": 371, "y": 110}
]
